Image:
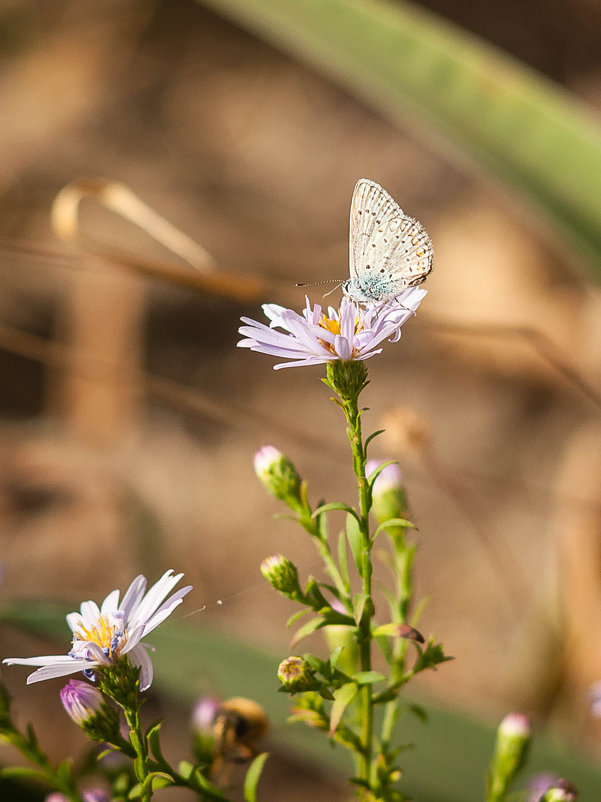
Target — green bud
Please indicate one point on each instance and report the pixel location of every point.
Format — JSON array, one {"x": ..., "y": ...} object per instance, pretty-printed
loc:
[
  {"x": 295, "y": 674},
  {"x": 278, "y": 475},
  {"x": 388, "y": 493},
  {"x": 347, "y": 379},
  {"x": 511, "y": 749},
  {"x": 281, "y": 575}
]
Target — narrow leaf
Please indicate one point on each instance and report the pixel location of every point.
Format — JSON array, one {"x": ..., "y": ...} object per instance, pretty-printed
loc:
[
  {"x": 353, "y": 535},
  {"x": 335, "y": 505},
  {"x": 307, "y": 629},
  {"x": 368, "y": 677},
  {"x": 342, "y": 698},
  {"x": 252, "y": 777},
  {"x": 343, "y": 560}
]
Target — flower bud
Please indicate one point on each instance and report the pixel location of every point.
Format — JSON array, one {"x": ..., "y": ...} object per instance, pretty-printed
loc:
[
  {"x": 203, "y": 715},
  {"x": 511, "y": 748},
  {"x": 388, "y": 493},
  {"x": 89, "y": 710},
  {"x": 81, "y": 701},
  {"x": 202, "y": 722},
  {"x": 295, "y": 674},
  {"x": 92, "y": 795},
  {"x": 278, "y": 475},
  {"x": 562, "y": 791},
  {"x": 281, "y": 575}
]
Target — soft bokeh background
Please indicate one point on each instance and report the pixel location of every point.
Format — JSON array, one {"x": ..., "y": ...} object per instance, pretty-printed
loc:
[{"x": 488, "y": 401}]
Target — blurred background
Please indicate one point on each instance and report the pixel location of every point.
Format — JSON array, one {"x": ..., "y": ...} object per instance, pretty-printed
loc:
[{"x": 129, "y": 420}]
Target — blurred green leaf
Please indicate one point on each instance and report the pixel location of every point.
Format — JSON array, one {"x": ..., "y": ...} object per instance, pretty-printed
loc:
[
  {"x": 452, "y": 751},
  {"x": 421, "y": 70},
  {"x": 253, "y": 776}
]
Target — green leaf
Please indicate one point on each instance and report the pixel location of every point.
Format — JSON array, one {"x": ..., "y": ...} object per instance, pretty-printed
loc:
[
  {"x": 398, "y": 630},
  {"x": 186, "y": 769},
  {"x": 154, "y": 743},
  {"x": 342, "y": 698},
  {"x": 353, "y": 534},
  {"x": 295, "y": 616},
  {"x": 375, "y": 473},
  {"x": 208, "y": 789},
  {"x": 368, "y": 677},
  {"x": 335, "y": 656},
  {"x": 343, "y": 561},
  {"x": 159, "y": 779},
  {"x": 402, "y": 522},
  {"x": 252, "y": 777},
  {"x": 335, "y": 505},
  {"x": 371, "y": 437},
  {"x": 361, "y": 601},
  {"x": 419, "y": 69},
  {"x": 307, "y": 629}
]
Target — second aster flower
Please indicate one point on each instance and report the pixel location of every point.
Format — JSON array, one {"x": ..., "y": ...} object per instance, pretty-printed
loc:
[
  {"x": 316, "y": 337},
  {"x": 104, "y": 635}
]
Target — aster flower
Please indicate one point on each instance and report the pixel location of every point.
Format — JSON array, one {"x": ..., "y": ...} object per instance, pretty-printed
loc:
[
  {"x": 315, "y": 337},
  {"x": 102, "y": 636}
]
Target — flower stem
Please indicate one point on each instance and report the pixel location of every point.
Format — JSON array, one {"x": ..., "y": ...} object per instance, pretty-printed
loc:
[{"x": 348, "y": 379}]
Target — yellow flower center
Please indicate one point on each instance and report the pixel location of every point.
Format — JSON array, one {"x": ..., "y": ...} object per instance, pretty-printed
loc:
[
  {"x": 103, "y": 634},
  {"x": 332, "y": 325}
]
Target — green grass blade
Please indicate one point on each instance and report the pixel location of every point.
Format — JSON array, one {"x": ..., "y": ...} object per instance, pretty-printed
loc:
[{"x": 427, "y": 73}]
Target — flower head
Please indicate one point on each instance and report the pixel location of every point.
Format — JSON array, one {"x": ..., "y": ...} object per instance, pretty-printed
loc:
[
  {"x": 295, "y": 674},
  {"x": 315, "y": 337},
  {"x": 278, "y": 475},
  {"x": 281, "y": 575},
  {"x": 102, "y": 636},
  {"x": 81, "y": 701}
]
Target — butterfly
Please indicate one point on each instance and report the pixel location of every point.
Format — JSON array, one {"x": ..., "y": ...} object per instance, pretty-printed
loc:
[{"x": 389, "y": 251}]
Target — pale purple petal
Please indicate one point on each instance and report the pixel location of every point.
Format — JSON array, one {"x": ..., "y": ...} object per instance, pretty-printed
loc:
[
  {"x": 48, "y": 659},
  {"x": 154, "y": 597},
  {"x": 139, "y": 657},
  {"x": 307, "y": 340},
  {"x": 166, "y": 609},
  {"x": 133, "y": 595}
]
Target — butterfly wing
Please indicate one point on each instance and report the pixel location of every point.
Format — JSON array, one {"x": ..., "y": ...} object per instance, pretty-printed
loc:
[{"x": 389, "y": 251}]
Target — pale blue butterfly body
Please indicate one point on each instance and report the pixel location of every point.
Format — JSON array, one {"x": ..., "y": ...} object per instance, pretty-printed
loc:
[{"x": 389, "y": 251}]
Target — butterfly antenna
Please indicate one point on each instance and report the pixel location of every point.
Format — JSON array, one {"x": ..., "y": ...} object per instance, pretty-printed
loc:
[{"x": 337, "y": 281}]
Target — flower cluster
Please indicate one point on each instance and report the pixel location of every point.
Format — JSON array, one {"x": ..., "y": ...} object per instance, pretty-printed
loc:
[
  {"x": 315, "y": 337},
  {"x": 104, "y": 635}
]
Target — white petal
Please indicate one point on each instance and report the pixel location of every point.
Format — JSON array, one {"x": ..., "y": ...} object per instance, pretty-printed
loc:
[
  {"x": 111, "y": 603},
  {"x": 49, "y": 659},
  {"x": 139, "y": 657},
  {"x": 166, "y": 609},
  {"x": 161, "y": 588},
  {"x": 74, "y": 621},
  {"x": 133, "y": 595},
  {"x": 50, "y": 672},
  {"x": 90, "y": 613}
]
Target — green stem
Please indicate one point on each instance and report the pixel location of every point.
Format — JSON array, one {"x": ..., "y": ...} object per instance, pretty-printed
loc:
[
  {"x": 138, "y": 741},
  {"x": 350, "y": 407},
  {"x": 61, "y": 780},
  {"x": 402, "y": 562}
]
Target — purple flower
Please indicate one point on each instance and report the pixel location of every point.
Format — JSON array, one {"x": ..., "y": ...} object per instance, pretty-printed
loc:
[
  {"x": 81, "y": 700},
  {"x": 106, "y": 634},
  {"x": 93, "y": 795},
  {"x": 315, "y": 337},
  {"x": 203, "y": 714}
]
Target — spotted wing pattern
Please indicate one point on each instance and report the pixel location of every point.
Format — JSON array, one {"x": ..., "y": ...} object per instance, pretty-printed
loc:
[{"x": 389, "y": 251}]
